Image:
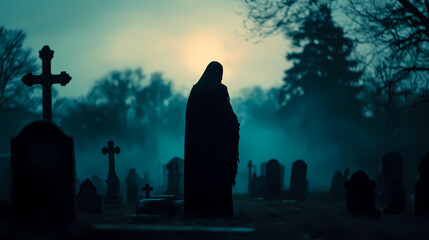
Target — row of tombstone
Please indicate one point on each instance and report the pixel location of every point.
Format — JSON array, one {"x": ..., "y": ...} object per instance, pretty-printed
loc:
[
  {"x": 361, "y": 193},
  {"x": 43, "y": 171},
  {"x": 391, "y": 180},
  {"x": 89, "y": 198},
  {"x": 43, "y": 154},
  {"x": 43, "y": 178},
  {"x": 269, "y": 183}
]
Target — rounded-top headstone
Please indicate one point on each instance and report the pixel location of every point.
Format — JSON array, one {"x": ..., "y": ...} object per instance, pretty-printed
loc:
[
  {"x": 360, "y": 195},
  {"x": 273, "y": 180},
  {"x": 360, "y": 180},
  {"x": 43, "y": 175}
]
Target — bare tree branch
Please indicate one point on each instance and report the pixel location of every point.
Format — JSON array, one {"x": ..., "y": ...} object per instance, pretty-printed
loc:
[
  {"x": 15, "y": 61},
  {"x": 423, "y": 19}
]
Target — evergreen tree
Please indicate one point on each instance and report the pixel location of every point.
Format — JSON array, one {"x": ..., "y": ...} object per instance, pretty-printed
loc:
[
  {"x": 319, "y": 95},
  {"x": 323, "y": 70}
]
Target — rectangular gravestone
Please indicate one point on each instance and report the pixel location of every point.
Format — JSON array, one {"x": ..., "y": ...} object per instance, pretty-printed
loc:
[
  {"x": 392, "y": 189},
  {"x": 132, "y": 186},
  {"x": 337, "y": 190},
  {"x": 298, "y": 182},
  {"x": 43, "y": 176},
  {"x": 392, "y": 172},
  {"x": 273, "y": 181},
  {"x": 175, "y": 176},
  {"x": 88, "y": 201}
]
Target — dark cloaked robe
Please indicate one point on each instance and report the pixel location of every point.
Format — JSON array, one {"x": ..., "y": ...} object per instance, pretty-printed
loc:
[{"x": 211, "y": 147}]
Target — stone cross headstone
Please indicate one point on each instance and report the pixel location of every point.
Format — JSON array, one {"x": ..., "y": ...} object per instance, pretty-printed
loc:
[
  {"x": 88, "y": 201},
  {"x": 112, "y": 194},
  {"x": 46, "y": 79},
  {"x": 298, "y": 182},
  {"x": 360, "y": 195},
  {"x": 175, "y": 176},
  {"x": 43, "y": 176},
  {"x": 147, "y": 189},
  {"x": 421, "y": 204},
  {"x": 273, "y": 181},
  {"x": 249, "y": 188},
  {"x": 132, "y": 189}
]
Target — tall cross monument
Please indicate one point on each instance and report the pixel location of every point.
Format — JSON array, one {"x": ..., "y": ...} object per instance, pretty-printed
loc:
[
  {"x": 112, "y": 194},
  {"x": 46, "y": 79}
]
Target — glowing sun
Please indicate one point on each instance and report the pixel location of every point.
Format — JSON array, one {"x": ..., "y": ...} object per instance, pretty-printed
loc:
[{"x": 201, "y": 49}]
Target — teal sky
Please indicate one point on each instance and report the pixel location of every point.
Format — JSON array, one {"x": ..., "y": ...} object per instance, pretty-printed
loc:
[{"x": 178, "y": 38}]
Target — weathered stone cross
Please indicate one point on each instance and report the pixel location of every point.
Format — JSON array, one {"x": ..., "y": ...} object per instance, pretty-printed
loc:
[
  {"x": 111, "y": 151},
  {"x": 46, "y": 79},
  {"x": 147, "y": 188}
]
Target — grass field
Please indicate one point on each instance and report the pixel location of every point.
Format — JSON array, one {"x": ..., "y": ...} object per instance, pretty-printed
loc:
[{"x": 316, "y": 218}]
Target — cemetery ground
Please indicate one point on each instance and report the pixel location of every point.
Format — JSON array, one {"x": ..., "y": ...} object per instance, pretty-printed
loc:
[
  {"x": 45, "y": 209},
  {"x": 317, "y": 217}
]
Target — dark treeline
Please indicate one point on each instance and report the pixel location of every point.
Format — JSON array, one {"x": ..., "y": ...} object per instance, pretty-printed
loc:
[
  {"x": 358, "y": 87},
  {"x": 337, "y": 108}
]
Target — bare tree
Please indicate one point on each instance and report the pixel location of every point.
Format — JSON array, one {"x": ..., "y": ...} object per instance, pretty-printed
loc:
[
  {"x": 394, "y": 29},
  {"x": 397, "y": 32},
  {"x": 400, "y": 28},
  {"x": 15, "y": 61},
  {"x": 385, "y": 91},
  {"x": 268, "y": 17}
]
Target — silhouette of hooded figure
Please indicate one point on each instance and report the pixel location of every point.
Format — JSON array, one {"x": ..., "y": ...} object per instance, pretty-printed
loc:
[{"x": 211, "y": 147}]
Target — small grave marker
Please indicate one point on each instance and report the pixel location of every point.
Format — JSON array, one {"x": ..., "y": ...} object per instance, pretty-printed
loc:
[
  {"x": 112, "y": 194},
  {"x": 147, "y": 188}
]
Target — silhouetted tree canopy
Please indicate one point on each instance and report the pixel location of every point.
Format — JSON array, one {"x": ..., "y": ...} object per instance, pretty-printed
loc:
[
  {"x": 125, "y": 104},
  {"x": 267, "y": 17},
  {"x": 322, "y": 65},
  {"x": 15, "y": 61},
  {"x": 392, "y": 85},
  {"x": 321, "y": 88}
]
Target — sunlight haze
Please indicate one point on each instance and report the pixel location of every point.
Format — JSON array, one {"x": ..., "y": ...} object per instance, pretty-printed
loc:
[{"x": 178, "y": 38}]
